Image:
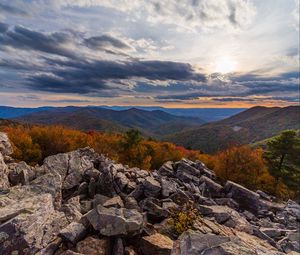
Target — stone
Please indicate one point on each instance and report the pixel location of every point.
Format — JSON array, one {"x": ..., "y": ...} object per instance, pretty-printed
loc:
[
  {"x": 20, "y": 173},
  {"x": 94, "y": 246},
  {"x": 247, "y": 199},
  {"x": 153, "y": 208},
  {"x": 73, "y": 233},
  {"x": 121, "y": 180},
  {"x": 115, "y": 221},
  {"x": 195, "y": 243},
  {"x": 151, "y": 187},
  {"x": 49, "y": 183},
  {"x": 71, "y": 166},
  {"x": 211, "y": 188},
  {"x": 228, "y": 202},
  {"x": 72, "y": 209},
  {"x": 99, "y": 200},
  {"x": 157, "y": 244},
  {"x": 105, "y": 185},
  {"x": 184, "y": 167},
  {"x": 29, "y": 223},
  {"x": 226, "y": 216},
  {"x": 168, "y": 187},
  {"x": 167, "y": 169},
  {"x": 4, "y": 182},
  {"x": 180, "y": 197},
  {"x": 131, "y": 203},
  {"x": 114, "y": 202},
  {"x": 5, "y": 145}
]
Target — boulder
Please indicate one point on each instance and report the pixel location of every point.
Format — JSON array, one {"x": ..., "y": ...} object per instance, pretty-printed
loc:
[
  {"x": 20, "y": 173},
  {"x": 71, "y": 166},
  {"x": 94, "y": 246},
  {"x": 153, "y": 208},
  {"x": 195, "y": 243},
  {"x": 226, "y": 216},
  {"x": 4, "y": 182},
  {"x": 168, "y": 187},
  {"x": 5, "y": 145},
  {"x": 29, "y": 223},
  {"x": 115, "y": 221},
  {"x": 157, "y": 244},
  {"x": 167, "y": 169},
  {"x": 73, "y": 233},
  {"x": 247, "y": 199},
  {"x": 114, "y": 202},
  {"x": 210, "y": 188},
  {"x": 151, "y": 187},
  {"x": 105, "y": 185}
]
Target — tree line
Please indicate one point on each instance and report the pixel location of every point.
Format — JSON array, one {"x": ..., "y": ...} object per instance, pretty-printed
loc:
[{"x": 275, "y": 170}]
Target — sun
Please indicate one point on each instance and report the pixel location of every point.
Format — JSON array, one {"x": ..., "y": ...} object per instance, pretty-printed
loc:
[{"x": 225, "y": 65}]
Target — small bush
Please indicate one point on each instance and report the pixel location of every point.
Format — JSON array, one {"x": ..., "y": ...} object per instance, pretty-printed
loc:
[{"x": 183, "y": 218}]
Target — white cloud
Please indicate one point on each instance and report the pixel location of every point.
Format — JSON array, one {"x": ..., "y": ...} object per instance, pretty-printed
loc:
[{"x": 189, "y": 14}]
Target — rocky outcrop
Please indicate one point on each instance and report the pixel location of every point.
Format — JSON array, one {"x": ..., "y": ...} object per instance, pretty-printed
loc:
[{"x": 84, "y": 203}]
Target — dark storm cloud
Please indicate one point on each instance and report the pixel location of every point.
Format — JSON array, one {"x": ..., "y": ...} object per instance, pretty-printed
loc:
[
  {"x": 3, "y": 27},
  {"x": 104, "y": 41},
  {"x": 22, "y": 38},
  {"x": 88, "y": 76},
  {"x": 12, "y": 10}
]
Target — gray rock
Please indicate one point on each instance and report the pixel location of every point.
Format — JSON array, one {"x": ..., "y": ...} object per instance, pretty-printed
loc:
[
  {"x": 71, "y": 166},
  {"x": 73, "y": 233},
  {"x": 151, "y": 187},
  {"x": 167, "y": 169},
  {"x": 157, "y": 244},
  {"x": 180, "y": 197},
  {"x": 121, "y": 180},
  {"x": 153, "y": 208},
  {"x": 114, "y": 202},
  {"x": 105, "y": 185},
  {"x": 131, "y": 203},
  {"x": 168, "y": 187},
  {"x": 228, "y": 202},
  {"x": 99, "y": 200},
  {"x": 211, "y": 188},
  {"x": 72, "y": 209},
  {"x": 226, "y": 216},
  {"x": 29, "y": 223},
  {"x": 115, "y": 221},
  {"x": 5, "y": 145},
  {"x": 20, "y": 173},
  {"x": 247, "y": 199},
  {"x": 4, "y": 182},
  {"x": 195, "y": 243},
  {"x": 94, "y": 246}
]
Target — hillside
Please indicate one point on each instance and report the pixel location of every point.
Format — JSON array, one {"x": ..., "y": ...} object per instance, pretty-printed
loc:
[
  {"x": 250, "y": 126},
  {"x": 100, "y": 119}
]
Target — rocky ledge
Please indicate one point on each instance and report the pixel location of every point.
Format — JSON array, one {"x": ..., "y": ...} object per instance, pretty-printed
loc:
[{"x": 84, "y": 203}]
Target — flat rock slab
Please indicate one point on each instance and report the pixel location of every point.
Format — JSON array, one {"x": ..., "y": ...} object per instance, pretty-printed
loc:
[
  {"x": 116, "y": 221},
  {"x": 156, "y": 244}
]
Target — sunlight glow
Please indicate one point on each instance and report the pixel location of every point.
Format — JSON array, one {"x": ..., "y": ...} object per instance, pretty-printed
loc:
[{"x": 225, "y": 65}]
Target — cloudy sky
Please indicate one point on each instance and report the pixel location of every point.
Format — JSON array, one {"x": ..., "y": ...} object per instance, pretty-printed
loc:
[{"x": 187, "y": 53}]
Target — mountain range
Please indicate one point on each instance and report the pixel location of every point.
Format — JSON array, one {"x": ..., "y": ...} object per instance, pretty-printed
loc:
[
  {"x": 247, "y": 127},
  {"x": 151, "y": 123},
  {"x": 205, "y": 114}
]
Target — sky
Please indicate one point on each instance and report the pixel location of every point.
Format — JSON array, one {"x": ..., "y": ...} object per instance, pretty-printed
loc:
[{"x": 187, "y": 53}]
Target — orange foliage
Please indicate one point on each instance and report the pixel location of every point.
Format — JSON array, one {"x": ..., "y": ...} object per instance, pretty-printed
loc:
[
  {"x": 37, "y": 142},
  {"x": 247, "y": 167}
]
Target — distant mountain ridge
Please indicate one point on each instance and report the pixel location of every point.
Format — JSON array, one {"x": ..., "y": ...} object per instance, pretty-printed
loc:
[
  {"x": 250, "y": 126},
  {"x": 206, "y": 114},
  {"x": 101, "y": 119}
]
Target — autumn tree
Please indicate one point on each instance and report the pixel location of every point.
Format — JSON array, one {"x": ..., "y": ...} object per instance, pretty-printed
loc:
[{"x": 245, "y": 166}]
